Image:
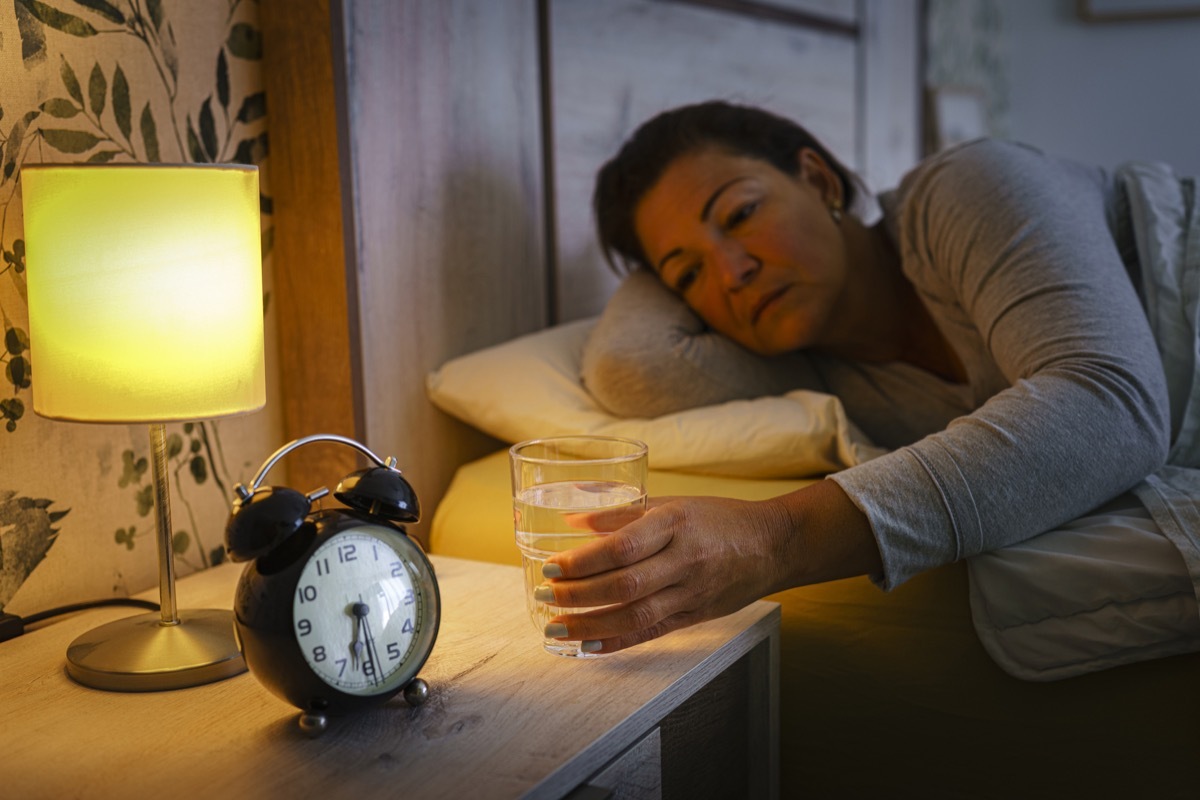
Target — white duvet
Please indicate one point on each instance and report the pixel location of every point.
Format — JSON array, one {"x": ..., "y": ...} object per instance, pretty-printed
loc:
[{"x": 1120, "y": 585}]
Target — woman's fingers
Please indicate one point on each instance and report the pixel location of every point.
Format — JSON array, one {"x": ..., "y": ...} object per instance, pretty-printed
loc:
[
  {"x": 640, "y": 539},
  {"x": 629, "y": 639},
  {"x": 645, "y": 618},
  {"x": 615, "y": 586},
  {"x": 608, "y": 520}
]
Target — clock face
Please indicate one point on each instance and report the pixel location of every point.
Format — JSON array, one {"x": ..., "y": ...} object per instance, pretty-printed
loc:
[{"x": 360, "y": 611}]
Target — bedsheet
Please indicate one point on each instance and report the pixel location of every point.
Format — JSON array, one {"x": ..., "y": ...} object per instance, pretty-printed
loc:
[{"x": 893, "y": 695}]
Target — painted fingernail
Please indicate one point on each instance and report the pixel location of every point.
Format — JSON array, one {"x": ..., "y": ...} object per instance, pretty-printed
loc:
[
  {"x": 551, "y": 571},
  {"x": 544, "y": 593},
  {"x": 590, "y": 645},
  {"x": 555, "y": 630}
]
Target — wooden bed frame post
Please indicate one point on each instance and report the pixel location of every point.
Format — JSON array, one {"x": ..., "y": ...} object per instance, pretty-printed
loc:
[{"x": 412, "y": 132}]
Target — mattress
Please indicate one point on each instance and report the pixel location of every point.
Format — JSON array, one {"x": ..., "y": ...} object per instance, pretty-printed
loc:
[{"x": 892, "y": 694}]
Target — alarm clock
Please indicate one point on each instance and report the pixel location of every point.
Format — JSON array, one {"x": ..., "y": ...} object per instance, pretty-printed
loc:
[{"x": 338, "y": 609}]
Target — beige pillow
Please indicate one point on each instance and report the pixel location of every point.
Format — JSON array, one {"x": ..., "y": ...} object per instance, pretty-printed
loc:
[{"x": 530, "y": 387}]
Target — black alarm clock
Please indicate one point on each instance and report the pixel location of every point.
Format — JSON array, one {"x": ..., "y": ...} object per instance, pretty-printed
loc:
[{"x": 339, "y": 609}]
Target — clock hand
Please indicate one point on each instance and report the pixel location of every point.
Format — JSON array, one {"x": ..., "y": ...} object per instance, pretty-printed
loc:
[
  {"x": 359, "y": 610},
  {"x": 376, "y": 672}
]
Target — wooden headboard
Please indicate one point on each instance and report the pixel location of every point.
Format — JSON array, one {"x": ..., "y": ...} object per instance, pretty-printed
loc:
[{"x": 431, "y": 166}]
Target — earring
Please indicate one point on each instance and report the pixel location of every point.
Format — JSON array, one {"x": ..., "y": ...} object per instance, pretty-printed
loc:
[{"x": 835, "y": 211}]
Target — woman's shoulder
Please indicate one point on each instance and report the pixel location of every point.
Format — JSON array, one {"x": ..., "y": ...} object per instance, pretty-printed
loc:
[
  {"x": 989, "y": 149},
  {"x": 978, "y": 163},
  {"x": 961, "y": 209},
  {"x": 986, "y": 176},
  {"x": 988, "y": 165}
]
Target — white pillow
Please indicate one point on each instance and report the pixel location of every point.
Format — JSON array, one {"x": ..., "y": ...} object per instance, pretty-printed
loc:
[{"x": 530, "y": 387}]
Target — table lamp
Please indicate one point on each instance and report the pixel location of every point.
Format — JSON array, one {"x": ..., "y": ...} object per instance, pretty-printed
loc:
[{"x": 146, "y": 306}]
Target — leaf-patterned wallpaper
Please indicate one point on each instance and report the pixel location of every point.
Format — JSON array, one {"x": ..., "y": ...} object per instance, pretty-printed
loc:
[{"x": 118, "y": 81}]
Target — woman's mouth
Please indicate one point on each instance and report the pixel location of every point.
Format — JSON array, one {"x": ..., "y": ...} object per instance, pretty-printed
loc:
[{"x": 765, "y": 302}]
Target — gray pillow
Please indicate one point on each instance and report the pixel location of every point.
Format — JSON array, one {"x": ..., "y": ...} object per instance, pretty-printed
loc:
[{"x": 650, "y": 354}]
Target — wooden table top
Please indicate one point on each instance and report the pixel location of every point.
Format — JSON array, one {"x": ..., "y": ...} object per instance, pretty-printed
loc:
[{"x": 504, "y": 718}]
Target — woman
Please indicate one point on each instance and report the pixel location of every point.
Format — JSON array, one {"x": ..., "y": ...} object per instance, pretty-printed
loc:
[{"x": 986, "y": 329}]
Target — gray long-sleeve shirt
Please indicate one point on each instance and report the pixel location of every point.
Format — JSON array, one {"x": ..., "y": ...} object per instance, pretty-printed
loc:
[{"x": 1018, "y": 257}]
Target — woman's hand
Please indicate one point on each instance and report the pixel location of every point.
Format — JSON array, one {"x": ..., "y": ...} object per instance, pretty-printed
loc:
[
  {"x": 686, "y": 560},
  {"x": 692, "y": 559}
]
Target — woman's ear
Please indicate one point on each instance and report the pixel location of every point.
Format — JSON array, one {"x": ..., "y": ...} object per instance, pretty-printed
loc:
[{"x": 816, "y": 171}]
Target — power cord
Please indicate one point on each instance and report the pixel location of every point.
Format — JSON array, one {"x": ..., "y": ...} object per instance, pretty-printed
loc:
[{"x": 12, "y": 626}]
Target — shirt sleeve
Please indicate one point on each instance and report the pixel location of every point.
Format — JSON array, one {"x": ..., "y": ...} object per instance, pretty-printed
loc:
[{"x": 1017, "y": 244}]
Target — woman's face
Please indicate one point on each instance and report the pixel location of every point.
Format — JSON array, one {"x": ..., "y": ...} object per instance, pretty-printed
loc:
[{"x": 753, "y": 250}]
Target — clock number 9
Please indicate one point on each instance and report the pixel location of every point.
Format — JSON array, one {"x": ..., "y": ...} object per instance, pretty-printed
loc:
[{"x": 305, "y": 627}]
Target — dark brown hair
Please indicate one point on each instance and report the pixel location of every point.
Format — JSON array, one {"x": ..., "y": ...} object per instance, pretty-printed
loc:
[{"x": 641, "y": 161}]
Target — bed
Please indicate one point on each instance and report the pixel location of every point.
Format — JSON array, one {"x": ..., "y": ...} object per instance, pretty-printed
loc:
[{"x": 889, "y": 695}]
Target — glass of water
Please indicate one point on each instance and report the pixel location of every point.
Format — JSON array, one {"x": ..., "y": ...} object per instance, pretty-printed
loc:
[{"x": 568, "y": 491}]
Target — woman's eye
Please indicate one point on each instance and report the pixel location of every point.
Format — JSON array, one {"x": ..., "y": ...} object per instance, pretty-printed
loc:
[
  {"x": 685, "y": 279},
  {"x": 741, "y": 214}
]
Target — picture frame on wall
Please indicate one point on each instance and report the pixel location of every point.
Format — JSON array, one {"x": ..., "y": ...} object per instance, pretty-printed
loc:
[
  {"x": 1131, "y": 10},
  {"x": 954, "y": 114},
  {"x": 830, "y": 16}
]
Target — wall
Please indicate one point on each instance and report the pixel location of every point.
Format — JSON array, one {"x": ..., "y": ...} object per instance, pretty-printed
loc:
[
  {"x": 81, "y": 80},
  {"x": 1102, "y": 93}
]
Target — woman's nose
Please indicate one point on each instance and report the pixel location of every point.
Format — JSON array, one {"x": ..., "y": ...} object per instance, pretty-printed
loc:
[{"x": 736, "y": 266}]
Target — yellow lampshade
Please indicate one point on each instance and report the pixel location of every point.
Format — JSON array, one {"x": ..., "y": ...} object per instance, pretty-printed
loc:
[{"x": 145, "y": 291}]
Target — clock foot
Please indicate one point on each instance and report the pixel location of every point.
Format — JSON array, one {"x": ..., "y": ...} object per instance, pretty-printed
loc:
[
  {"x": 416, "y": 692},
  {"x": 313, "y": 723}
]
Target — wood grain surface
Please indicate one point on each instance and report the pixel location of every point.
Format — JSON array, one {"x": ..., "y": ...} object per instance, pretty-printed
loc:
[{"x": 504, "y": 718}]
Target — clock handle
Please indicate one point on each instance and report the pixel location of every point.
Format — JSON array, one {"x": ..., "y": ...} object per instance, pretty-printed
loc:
[{"x": 245, "y": 491}]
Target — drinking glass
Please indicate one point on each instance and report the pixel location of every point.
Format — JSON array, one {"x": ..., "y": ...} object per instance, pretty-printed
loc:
[{"x": 568, "y": 491}]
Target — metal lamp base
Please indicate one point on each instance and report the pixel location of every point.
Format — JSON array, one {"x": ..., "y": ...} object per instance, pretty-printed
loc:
[{"x": 141, "y": 653}]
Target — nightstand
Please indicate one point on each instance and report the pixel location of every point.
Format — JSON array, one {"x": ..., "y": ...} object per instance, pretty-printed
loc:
[{"x": 692, "y": 714}]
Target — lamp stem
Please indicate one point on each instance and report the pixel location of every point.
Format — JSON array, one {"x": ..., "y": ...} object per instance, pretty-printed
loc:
[
  {"x": 152, "y": 652},
  {"x": 162, "y": 513}
]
